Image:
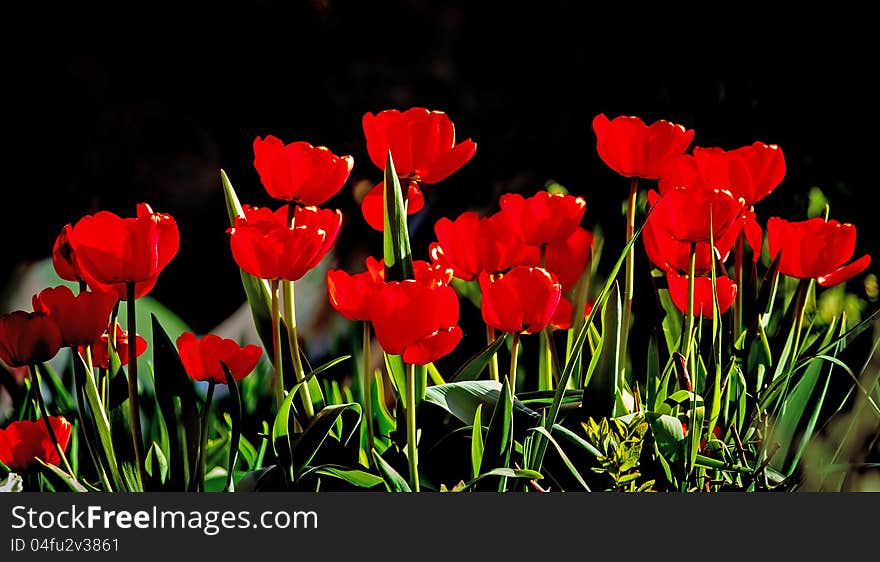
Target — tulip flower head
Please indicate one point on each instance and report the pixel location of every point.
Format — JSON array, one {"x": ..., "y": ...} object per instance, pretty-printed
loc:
[
  {"x": 63, "y": 258},
  {"x": 543, "y": 218},
  {"x": 300, "y": 172},
  {"x": 520, "y": 301},
  {"x": 25, "y": 441},
  {"x": 80, "y": 318},
  {"x": 101, "y": 350},
  {"x": 635, "y": 150},
  {"x": 373, "y": 203},
  {"x": 28, "y": 338},
  {"x": 202, "y": 358},
  {"x": 697, "y": 215},
  {"x": 703, "y": 298}
]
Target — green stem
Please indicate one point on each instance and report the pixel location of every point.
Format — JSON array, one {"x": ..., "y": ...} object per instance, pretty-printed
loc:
[
  {"x": 134, "y": 411},
  {"x": 38, "y": 394},
  {"x": 803, "y": 291},
  {"x": 630, "y": 267},
  {"x": 290, "y": 320},
  {"x": 88, "y": 431},
  {"x": 514, "y": 352},
  {"x": 412, "y": 449},
  {"x": 276, "y": 344},
  {"x": 545, "y": 374},
  {"x": 367, "y": 375},
  {"x": 493, "y": 362},
  {"x": 691, "y": 353},
  {"x": 203, "y": 449}
]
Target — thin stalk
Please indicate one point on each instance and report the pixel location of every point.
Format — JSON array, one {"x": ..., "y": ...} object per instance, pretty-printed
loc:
[
  {"x": 493, "y": 362},
  {"x": 290, "y": 320},
  {"x": 545, "y": 374},
  {"x": 630, "y": 267},
  {"x": 276, "y": 344},
  {"x": 514, "y": 352},
  {"x": 738, "y": 278},
  {"x": 691, "y": 353},
  {"x": 134, "y": 411},
  {"x": 412, "y": 449},
  {"x": 35, "y": 378},
  {"x": 88, "y": 431},
  {"x": 367, "y": 374},
  {"x": 203, "y": 448}
]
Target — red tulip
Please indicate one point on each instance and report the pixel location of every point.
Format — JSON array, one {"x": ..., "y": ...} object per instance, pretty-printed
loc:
[
  {"x": 678, "y": 291},
  {"x": 101, "y": 354},
  {"x": 80, "y": 318},
  {"x": 22, "y": 442},
  {"x": 63, "y": 258},
  {"x": 633, "y": 149},
  {"x": 264, "y": 245},
  {"x": 696, "y": 215},
  {"x": 27, "y": 338},
  {"x": 373, "y": 203},
  {"x": 766, "y": 166},
  {"x": 562, "y": 315},
  {"x": 352, "y": 295},
  {"x": 815, "y": 249},
  {"x": 567, "y": 259},
  {"x": 300, "y": 172},
  {"x": 416, "y": 320},
  {"x": 201, "y": 358},
  {"x": 112, "y": 251},
  {"x": 544, "y": 217},
  {"x": 520, "y": 301},
  {"x": 422, "y": 143},
  {"x": 471, "y": 245}
]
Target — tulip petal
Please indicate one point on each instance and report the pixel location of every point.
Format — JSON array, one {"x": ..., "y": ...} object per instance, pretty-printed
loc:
[{"x": 846, "y": 272}]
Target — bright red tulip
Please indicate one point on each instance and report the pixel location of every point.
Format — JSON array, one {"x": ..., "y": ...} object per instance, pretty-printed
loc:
[
  {"x": 63, "y": 258},
  {"x": 112, "y": 251},
  {"x": 520, "y": 301},
  {"x": 201, "y": 358},
  {"x": 815, "y": 249},
  {"x": 471, "y": 245},
  {"x": 300, "y": 172},
  {"x": 101, "y": 353},
  {"x": 81, "y": 318},
  {"x": 22, "y": 442},
  {"x": 696, "y": 215},
  {"x": 544, "y": 217},
  {"x": 417, "y": 320},
  {"x": 567, "y": 259},
  {"x": 352, "y": 295},
  {"x": 422, "y": 143},
  {"x": 562, "y": 315},
  {"x": 633, "y": 149},
  {"x": 678, "y": 291},
  {"x": 373, "y": 203},
  {"x": 264, "y": 245},
  {"x": 766, "y": 166},
  {"x": 27, "y": 338}
]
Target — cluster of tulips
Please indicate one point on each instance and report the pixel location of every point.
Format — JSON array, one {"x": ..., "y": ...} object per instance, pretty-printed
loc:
[{"x": 528, "y": 260}]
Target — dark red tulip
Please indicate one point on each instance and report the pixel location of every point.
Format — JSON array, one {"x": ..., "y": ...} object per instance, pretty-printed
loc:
[
  {"x": 678, "y": 291},
  {"x": 422, "y": 143},
  {"x": 633, "y": 149},
  {"x": 352, "y": 295},
  {"x": 201, "y": 358},
  {"x": 300, "y": 172},
  {"x": 113, "y": 251},
  {"x": 567, "y": 259},
  {"x": 696, "y": 215},
  {"x": 23, "y": 442},
  {"x": 63, "y": 258},
  {"x": 373, "y": 203},
  {"x": 471, "y": 245},
  {"x": 101, "y": 353},
  {"x": 416, "y": 320},
  {"x": 264, "y": 245},
  {"x": 815, "y": 249},
  {"x": 520, "y": 301},
  {"x": 81, "y": 318},
  {"x": 544, "y": 217},
  {"x": 27, "y": 338}
]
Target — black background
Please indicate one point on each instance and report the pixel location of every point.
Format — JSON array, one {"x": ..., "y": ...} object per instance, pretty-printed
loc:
[{"x": 145, "y": 102}]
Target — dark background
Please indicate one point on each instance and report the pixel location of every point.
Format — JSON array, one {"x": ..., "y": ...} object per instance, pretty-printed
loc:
[{"x": 147, "y": 104}]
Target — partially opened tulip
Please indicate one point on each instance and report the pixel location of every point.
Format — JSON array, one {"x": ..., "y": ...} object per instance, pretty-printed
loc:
[
  {"x": 100, "y": 348},
  {"x": 25, "y": 442},
  {"x": 697, "y": 215},
  {"x": 543, "y": 218},
  {"x": 373, "y": 203},
  {"x": 520, "y": 301},
  {"x": 64, "y": 259},
  {"x": 703, "y": 293},
  {"x": 636, "y": 150},
  {"x": 815, "y": 249},
  {"x": 299, "y": 172},
  {"x": 202, "y": 358},
  {"x": 352, "y": 295},
  {"x": 80, "y": 318},
  {"x": 28, "y": 338},
  {"x": 113, "y": 252}
]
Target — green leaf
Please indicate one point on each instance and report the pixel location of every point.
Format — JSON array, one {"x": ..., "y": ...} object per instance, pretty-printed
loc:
[
  {"x": 69, "y": 480},
  {"x": 477, "y": 443},
  {"x": 304, "y": 448},
  {"x": 281, "y": 431},
  {"x": 358, "y": 478},
  {"x": 236, "y": 427},
  {"x": 461, "y": 399},
  {"x": 668, "y": 434},
  {"x": 499, "y": 438},
  {"x": 177, "y": 401},
  {"x": 504, "y": 473},
  {"x": 563, "y": 456},
  {"x": 604, "y": 386},
  {"x": 156, "y": 464},
  {"x": 394, "y": 482},
  {"x": 102, "y": 422},
  {"x": 474, "y": 367},
  {"x": 398, "y": 255}
]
